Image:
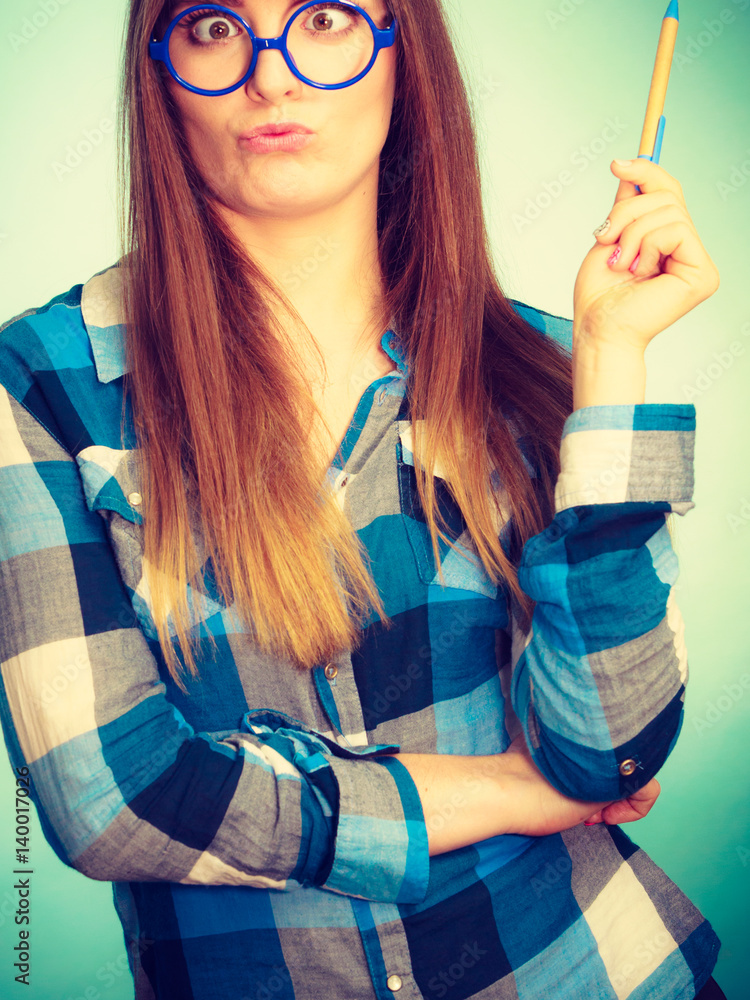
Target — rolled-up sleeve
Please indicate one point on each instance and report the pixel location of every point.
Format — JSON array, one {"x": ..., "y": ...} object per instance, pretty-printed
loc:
[
  {"x": 598, "y": 680},
  {"x": 380, "y": 849},
  {"x": 125, "y": 788}
]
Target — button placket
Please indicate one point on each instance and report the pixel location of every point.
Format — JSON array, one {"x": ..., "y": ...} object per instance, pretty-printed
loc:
[{"x": 339, "y": 695}]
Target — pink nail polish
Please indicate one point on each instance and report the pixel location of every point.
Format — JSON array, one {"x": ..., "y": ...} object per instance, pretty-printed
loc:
[
  {"x": 615, "y": 256},
  {"x": 634, "y": 265}
]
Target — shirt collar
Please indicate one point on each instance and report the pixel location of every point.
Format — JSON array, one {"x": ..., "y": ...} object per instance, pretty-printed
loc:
[
  {"x": 102, "y": 314},
  {"x": 395, "y": 348}
]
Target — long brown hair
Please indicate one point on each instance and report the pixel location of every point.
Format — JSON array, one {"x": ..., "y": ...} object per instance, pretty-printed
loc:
[{"x": 236, "y": 432}]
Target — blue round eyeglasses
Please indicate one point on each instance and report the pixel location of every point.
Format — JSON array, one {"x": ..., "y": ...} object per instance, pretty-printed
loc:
[{"x": 211, "y": 50}]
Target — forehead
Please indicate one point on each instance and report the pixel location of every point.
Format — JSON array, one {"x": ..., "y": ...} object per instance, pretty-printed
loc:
[{"x": 171, "y": 5}]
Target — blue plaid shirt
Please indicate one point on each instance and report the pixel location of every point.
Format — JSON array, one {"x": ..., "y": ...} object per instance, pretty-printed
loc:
[{"x": 263, "y": 840}]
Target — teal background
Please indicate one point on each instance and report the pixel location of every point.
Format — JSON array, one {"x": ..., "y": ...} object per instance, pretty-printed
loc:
[{"x": 545, "y": 78}]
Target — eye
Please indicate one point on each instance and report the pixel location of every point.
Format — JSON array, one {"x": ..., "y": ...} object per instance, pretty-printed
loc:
[
  {"x": 330, "y": 18},
  {"x": 207, "y": 27}
]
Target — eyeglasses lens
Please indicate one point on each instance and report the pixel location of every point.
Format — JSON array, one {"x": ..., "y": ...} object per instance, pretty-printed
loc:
[{"x": 328, "y": 43}]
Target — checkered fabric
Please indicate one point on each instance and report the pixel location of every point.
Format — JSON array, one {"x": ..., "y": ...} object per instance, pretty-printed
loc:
[{"x": 263, "y": 839}]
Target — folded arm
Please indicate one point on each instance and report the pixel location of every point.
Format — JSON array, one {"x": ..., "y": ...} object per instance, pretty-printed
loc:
[
  {"x": 598, "y": 681},
  {"x": 125, "y": 788}
]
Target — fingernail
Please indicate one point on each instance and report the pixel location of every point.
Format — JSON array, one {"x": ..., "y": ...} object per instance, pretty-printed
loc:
[
  {"x": 634, "y": 265},
  {"x": 601, "y": 230},
  {"x": 624, "y": 163},
  {"x": 615, "y": 256}
]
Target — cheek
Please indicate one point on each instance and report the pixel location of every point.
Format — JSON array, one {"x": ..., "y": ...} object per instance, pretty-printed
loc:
[
  {"x": 371, "y": 106},
  {"x": 206, "y": 137}
]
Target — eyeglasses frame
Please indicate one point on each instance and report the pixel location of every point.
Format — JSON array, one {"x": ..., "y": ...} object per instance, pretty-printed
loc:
[{"x": 159, "y": 50}]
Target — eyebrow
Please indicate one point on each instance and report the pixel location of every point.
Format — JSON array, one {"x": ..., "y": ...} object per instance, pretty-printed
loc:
[
  {"x": 221, "y": 3},
  {"x": 218, "y": 3},
  {"x": 174, "y": 4}
]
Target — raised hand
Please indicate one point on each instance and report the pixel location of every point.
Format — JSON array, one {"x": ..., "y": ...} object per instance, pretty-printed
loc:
[{"x": 673, "y": 273}]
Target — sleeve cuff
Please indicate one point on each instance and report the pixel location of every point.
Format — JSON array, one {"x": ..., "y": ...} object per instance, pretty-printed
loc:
[
  {"x": 619, "y": 453},
  {"x": 381, "y": 851},
  {"x": 367, "y": 837}
]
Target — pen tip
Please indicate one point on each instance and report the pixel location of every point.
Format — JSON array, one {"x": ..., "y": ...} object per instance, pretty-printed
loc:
[{"x": 673, "y": 10}]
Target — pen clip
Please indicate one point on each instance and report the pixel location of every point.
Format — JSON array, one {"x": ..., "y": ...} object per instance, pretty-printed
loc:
[
  {"x": 659, "y": 138},
  {"x": 657, "y": 146}
]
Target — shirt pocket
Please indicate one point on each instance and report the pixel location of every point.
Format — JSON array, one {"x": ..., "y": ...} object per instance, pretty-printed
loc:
[
  {"x": 113, "y": 488},
  {"x": 460, "y": 571}
]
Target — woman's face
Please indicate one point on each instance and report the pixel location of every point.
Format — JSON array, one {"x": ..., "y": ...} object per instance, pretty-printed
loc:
[{"x": 350, "y": 126}]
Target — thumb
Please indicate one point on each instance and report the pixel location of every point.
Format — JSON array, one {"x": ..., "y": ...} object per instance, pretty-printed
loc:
[{"x": 626, "y": 188}]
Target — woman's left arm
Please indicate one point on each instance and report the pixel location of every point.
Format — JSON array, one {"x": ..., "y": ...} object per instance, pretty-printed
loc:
[
  {"x": 598, "y": 681},
  {"x": 647, "y": 269}
]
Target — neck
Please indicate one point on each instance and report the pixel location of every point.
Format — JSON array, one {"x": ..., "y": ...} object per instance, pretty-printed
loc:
[{"x": 326, "y": 263}]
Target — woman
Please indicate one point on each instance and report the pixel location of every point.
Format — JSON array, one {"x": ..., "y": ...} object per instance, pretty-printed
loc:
[{"x": 329, "y": 699}]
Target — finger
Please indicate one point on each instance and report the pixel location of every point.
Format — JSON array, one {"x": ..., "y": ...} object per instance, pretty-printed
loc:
[
  {"x": 625, "y": 213},
  {"x": 648, "y": 794},
  {"x": 635, "y": 807},
  {"x": 623, "y": 812},
  {"x": 649, "y": 177},
  {"x": 638, "y": 238},
  {"x": 626, "y": 187},
  {"x": 683, "y": 253}
]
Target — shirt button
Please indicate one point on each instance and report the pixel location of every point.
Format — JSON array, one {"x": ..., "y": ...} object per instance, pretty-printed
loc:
[
  {"x": 331, "y": 670},
  {"x": 135, "y": 499},
  {"x": 394, "y": 983},
  {"x": 627, "y": 767}
]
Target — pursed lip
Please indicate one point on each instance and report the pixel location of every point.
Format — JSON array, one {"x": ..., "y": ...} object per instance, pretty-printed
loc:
[{"x": 277, "y": 128}]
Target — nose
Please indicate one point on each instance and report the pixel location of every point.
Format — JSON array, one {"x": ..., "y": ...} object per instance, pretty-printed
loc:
[{"x": 271, "y": 74}]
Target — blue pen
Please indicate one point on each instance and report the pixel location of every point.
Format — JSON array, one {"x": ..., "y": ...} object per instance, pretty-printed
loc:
[{"x": 653, "y": 127}]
